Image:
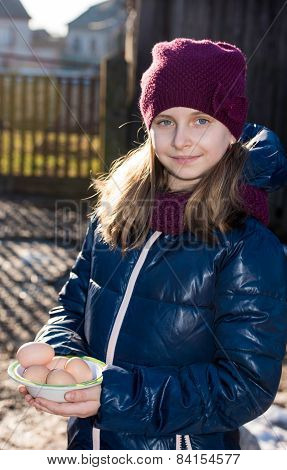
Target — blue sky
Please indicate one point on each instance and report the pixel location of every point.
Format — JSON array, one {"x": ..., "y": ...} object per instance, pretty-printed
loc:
[{"x": 52, "y": 15}]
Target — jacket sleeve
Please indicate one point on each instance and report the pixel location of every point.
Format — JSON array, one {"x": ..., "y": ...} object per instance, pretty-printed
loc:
[
  {"x": 240, "y": 384},
  {"x": 65, "y": 327},
  {"x": 266, "y": 166}
]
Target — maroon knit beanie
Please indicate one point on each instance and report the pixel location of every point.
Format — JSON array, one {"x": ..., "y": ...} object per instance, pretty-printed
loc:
[{"x": 200, "y": 74}]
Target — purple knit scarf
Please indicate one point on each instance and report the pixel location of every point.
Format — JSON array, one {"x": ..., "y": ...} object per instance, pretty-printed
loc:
[{"x": 168, "y": 212}]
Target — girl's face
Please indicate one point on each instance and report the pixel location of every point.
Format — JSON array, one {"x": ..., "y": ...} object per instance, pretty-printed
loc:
[{"x": 186, "y": 132}]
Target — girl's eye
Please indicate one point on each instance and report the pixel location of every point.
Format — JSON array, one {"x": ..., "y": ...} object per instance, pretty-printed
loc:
[
  {"x": 163, "y": 120},
  {"x": 167, "y": 120},
  {"x": 202, "y": 119}
]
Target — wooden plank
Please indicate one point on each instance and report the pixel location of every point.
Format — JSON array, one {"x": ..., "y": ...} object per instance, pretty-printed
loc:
[
  {"x": 113, "y": 110},
  {"x": 279, "y": 104},
  {"x": 34, "y": 121},
  {"x": 57, "y": 119},
  {"x": 91, "y": 119},
  {"x": 68, "y": 131},
  {"x": 178, "y": 13},
  {"x": 79, "y": 115},
  {"x": 23, "y": 118},
  {"x": 11, "y": 110},
  {"x": 103, "y": 116},
  {"x": 1, "y": 122},
  {"x": 46, "y": 119}
]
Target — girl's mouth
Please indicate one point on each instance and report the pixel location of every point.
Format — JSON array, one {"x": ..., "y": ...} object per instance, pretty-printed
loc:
[{"x": 185, "y": 159}]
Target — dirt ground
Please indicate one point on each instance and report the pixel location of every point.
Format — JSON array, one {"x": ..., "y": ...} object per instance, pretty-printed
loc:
[{"x": 23, "y": 427}]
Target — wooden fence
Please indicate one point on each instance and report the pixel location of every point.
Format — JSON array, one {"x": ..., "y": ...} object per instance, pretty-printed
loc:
[{"x": 49, "y": 130}]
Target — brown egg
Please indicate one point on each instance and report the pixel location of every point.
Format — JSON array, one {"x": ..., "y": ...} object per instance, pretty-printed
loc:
[
  {"x": 60, "y": 377},
  {"x": 57, "y": 362},
  {"x": 79, "y": 369},
  {"x": 33, "y": 353},
  {"x": 37, "y": 374}
]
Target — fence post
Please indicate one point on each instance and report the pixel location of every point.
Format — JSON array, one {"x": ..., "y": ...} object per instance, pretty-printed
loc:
[{"x": 113, "y": 110}]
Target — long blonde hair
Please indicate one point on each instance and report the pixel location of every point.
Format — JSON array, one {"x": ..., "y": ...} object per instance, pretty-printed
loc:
[{"x": 125, "y": 196}]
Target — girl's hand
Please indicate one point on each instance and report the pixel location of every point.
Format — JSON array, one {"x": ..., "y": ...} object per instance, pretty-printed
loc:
[{"x": 84, "y": 403}]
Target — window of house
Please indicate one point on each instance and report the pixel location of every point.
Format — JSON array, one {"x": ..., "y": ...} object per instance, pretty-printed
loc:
[
  {"x": 8, "y": 36},
  {"x": 11, "y": 37},
  {"x": 77, "y": 44},
  {"x": 93, "y": 46}
]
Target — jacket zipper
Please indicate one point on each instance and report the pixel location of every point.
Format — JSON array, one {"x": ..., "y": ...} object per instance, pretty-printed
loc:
[
  {"x": 121, "y": 315},
  {"x": 179, "y": 442},
  {"x": 117, "y": 326}
]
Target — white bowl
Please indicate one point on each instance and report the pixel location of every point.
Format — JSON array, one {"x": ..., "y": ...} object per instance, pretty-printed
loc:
[{"x": 56, "y": 392}]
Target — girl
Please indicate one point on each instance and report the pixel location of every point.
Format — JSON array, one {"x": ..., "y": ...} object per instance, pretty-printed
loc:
[{"x": 180, "y": 287}]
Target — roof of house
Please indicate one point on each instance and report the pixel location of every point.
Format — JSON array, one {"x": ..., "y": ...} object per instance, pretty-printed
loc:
[
  {"x": 14, "y": 9},
  {"x": 41, "y": 38},
  {"x": 97, "y": 13},
  {"x": 41, "y": 35}
]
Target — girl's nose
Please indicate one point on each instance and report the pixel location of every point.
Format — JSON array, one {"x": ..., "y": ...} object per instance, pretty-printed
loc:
[{"x": 183, "y": 138}]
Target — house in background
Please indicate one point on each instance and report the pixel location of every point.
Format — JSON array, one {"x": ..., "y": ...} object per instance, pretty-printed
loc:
[
  {"x": 47, "y": 50},
  {"x": 97, "y": 33},
  {"x": 15, "y": 34},
  {"x": 23, "y": 50},
  {"x": 47, "y": 46}
]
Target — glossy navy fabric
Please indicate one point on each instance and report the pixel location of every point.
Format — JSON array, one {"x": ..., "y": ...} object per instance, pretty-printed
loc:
[{"x": 200, "y": 349}]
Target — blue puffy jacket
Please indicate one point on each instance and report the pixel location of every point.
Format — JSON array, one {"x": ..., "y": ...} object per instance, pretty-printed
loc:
[{"x": 194, "y": 337}]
